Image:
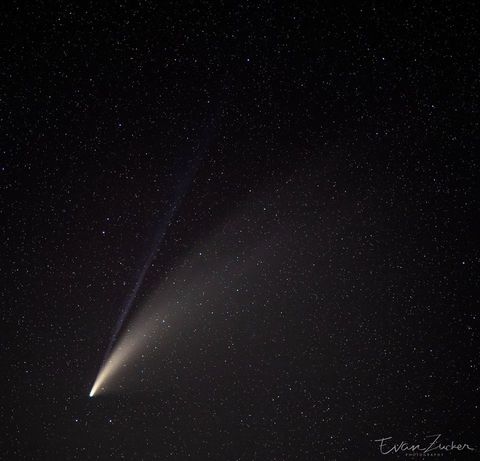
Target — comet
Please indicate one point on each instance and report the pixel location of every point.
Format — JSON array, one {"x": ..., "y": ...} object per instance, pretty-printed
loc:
[
  {"x": 118, "y": 350},
  {"x": 108, "y": 362}
]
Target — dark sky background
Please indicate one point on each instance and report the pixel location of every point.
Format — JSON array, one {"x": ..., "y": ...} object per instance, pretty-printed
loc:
[{"x": 324, "y": 254}]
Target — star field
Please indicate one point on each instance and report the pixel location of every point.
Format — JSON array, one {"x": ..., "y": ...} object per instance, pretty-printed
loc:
[{"x": 299, "y": 181}]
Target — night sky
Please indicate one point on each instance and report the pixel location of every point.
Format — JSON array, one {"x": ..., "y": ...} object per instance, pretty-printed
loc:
[{"x": 275, "y": 201}]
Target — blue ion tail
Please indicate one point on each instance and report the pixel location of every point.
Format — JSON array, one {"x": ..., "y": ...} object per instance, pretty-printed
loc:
[
  {"x": 187, "y": 172},
  {"x": 179, "y": 192}
]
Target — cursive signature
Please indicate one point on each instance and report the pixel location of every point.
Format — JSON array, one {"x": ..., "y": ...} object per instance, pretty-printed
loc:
[{"x": 386, "y": 447}]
